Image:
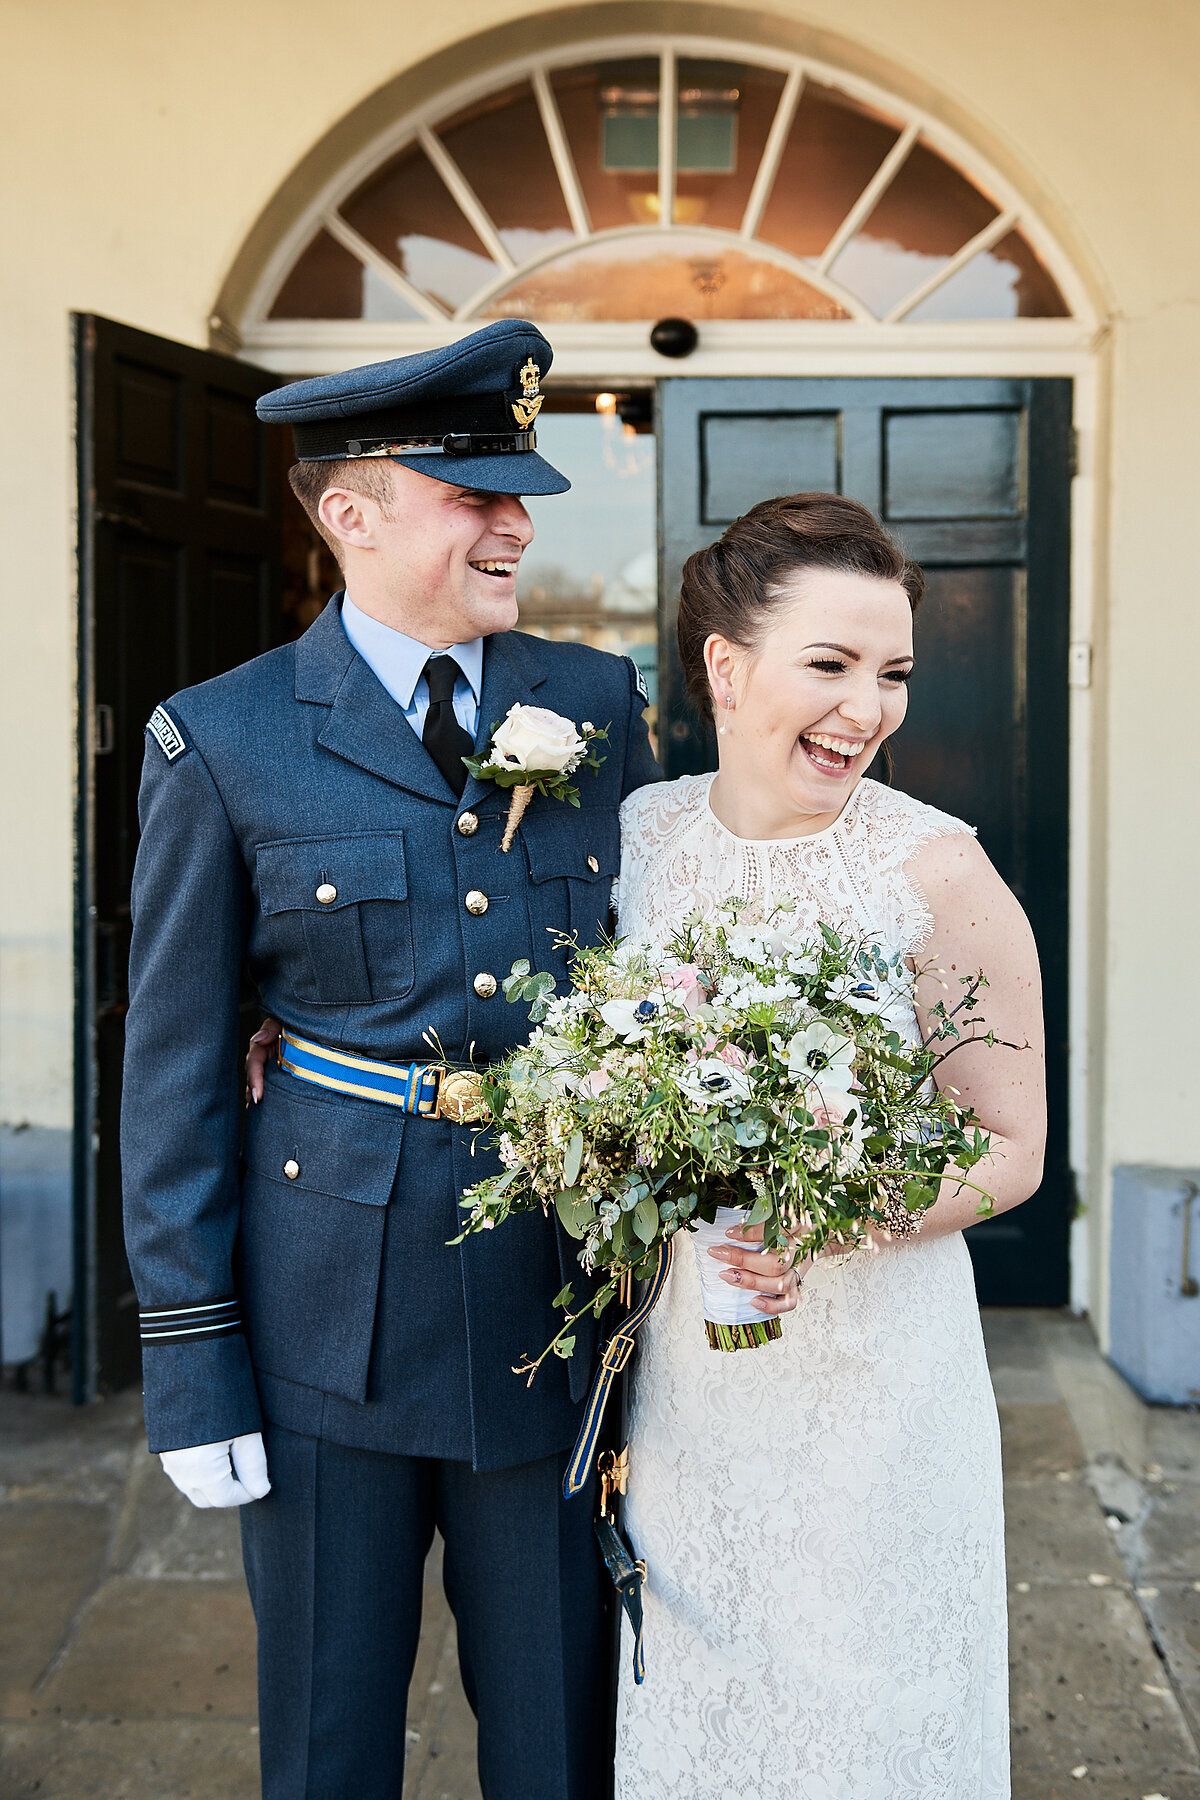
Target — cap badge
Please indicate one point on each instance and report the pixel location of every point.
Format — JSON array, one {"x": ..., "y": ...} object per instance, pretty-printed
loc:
[{"x": 526, "y": 410}]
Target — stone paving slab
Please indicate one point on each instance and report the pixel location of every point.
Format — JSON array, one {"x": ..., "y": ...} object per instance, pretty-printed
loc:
[
  {"x": 1173, "y": 1610},
  {"x": 1170, "y": 1536},
  {"x": 1055, "y": 1784},
  {"x": 1055, "y": 1531},
  {"x": 1038, "y": 1439},
  {"x": 36, "y": 1614},
  {"x": 1087, "y": 1688},
  {"x": 123, "y": 1759},
  {"x": 162, "y": 1535},
  {"x": 155, "y": 1649}
]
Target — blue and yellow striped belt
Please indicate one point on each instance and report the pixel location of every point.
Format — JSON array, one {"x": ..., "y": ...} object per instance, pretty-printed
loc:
[{"x": 428, "y": 1090}]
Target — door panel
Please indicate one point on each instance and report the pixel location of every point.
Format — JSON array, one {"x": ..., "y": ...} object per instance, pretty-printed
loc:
[
  {"x": 973, "y": 477},
  {"x": 179, "y": 520}
]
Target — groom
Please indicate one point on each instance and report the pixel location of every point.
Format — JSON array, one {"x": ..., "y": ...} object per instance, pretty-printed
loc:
[{"x": 310, "y": 1341}]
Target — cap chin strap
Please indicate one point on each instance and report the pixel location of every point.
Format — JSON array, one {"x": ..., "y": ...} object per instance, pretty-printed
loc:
[{"x": 454, "y": 443}]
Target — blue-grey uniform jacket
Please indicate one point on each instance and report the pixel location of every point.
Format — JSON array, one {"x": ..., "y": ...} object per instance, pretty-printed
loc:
[{"x": 326, "y": 1297}]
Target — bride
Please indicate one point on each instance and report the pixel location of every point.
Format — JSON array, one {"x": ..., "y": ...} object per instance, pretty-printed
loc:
[{"x": 856, "y": 1461}]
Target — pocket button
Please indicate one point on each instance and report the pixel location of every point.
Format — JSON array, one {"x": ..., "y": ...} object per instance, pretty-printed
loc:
[
  {"x": 326, "y": 893},
  {"x": 291, "y": 1168}
]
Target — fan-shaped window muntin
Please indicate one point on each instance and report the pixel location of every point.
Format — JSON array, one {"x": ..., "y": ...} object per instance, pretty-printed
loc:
[{"x": 725, "y": 184}]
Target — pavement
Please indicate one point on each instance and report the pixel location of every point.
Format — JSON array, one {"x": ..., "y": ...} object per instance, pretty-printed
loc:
[{"x": 127, "y": 1643}]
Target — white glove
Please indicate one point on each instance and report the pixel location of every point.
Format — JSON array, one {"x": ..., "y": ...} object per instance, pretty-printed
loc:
[{"x": 224, "y": 1474}]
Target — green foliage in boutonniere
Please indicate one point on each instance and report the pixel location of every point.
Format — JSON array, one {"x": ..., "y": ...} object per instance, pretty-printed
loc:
[{"x": 534, "y": 751}]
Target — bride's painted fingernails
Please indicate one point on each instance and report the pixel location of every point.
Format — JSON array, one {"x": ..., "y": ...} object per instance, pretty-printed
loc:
[
  {"x": 733, "y": 1275},
  {"x": 720, "y": 1251}
]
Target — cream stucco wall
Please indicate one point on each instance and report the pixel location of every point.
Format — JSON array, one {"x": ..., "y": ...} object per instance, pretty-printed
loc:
[{"x": 143, "y": 141}]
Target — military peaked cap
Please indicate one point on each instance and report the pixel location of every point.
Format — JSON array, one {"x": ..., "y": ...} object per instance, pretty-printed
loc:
[{"x": 463, "y": 414}]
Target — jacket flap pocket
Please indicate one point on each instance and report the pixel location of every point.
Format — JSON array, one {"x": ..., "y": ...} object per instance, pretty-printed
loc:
[
  {"x": 586, "y": 846},
  {"x": 326, "y": 873},
  {"x": 342, "y": 1147}
]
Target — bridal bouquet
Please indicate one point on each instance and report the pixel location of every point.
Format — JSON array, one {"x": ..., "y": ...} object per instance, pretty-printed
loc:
[{"x": 745, "y": 1072}]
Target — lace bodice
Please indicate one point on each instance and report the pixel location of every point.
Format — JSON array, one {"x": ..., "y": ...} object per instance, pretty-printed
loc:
[{"x": 854, "y": 874}]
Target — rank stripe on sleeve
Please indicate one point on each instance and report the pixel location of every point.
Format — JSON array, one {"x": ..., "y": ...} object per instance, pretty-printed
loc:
[{"x": 188, "y": 1324}]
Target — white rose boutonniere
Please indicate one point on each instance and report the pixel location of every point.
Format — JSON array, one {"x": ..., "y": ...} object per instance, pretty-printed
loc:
[{"x": 536, "y": 751}]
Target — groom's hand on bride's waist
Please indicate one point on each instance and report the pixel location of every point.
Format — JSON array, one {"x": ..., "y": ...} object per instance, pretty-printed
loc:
[
  {"x": 774, "y": 1282},
  {"x": 259, "y": 1054}
]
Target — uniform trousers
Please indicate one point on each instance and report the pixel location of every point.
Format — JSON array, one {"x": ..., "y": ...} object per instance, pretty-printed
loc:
[{"x": 334, "y": 1560}]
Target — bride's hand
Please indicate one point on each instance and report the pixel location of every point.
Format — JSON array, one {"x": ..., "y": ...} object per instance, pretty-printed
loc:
[
  {"x": 776, "y": 1283},
  {"x": 262, "y": 1048}
]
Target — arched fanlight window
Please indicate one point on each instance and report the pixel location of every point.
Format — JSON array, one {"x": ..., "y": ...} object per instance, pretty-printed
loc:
[{"x": 719, "y": 186}]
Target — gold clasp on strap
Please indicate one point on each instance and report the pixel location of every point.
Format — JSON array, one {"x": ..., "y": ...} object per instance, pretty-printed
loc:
[
  {"x": 617, "y": 1352},
  {"x": 613, "y": 1470}
]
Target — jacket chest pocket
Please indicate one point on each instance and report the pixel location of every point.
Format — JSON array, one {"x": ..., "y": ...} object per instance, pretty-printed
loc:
[
  {"x": 573, "y": 862},
  {"x": 336, "y": 916}
]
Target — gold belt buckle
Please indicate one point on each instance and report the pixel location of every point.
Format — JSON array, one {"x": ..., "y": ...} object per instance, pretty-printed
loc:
[{"x": 460, "y": 1097}]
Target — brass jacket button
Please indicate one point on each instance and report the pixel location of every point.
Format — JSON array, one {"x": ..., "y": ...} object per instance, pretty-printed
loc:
[
  {"x": 476, "y": 903},
  {"x": 593, "y": 865},
  {"x": 327, "y": 893},
  {"x": 484, "y": 985},
  {"x": 291, "y": 1168},
  {"x": 467, "y": 824}
]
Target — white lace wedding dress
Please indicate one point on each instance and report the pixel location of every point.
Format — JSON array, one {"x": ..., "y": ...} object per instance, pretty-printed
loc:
[{"x": 822, "y": 1517}]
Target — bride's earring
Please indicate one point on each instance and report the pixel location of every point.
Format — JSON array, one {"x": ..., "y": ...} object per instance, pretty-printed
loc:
[{"x": 725, "y": 720}]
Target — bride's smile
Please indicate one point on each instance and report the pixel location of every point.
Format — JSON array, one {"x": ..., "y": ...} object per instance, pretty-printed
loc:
[{"x": 804, "y": 706}]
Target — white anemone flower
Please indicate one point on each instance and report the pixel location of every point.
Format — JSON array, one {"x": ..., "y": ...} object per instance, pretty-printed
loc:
[
  {"x": 628, "y": 1018},
  {"x": 820, "y": 1053},
  {"x": 711, "y": 1082}
]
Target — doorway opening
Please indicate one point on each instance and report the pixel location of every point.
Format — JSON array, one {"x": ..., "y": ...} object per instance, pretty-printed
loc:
[{"x": 194, "y": 558}]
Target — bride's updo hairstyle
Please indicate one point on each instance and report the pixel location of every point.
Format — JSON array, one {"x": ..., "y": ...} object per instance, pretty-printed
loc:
[{"x": 735, "y": 587}]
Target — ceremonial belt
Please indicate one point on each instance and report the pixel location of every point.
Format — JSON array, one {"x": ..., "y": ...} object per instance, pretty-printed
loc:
[
  {"x": 628, "y": 1573},
  {"x": 428, "y": 1090}
]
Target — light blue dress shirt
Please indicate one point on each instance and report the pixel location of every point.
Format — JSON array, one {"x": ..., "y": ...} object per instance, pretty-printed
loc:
[{"x": 398, "y": 662}]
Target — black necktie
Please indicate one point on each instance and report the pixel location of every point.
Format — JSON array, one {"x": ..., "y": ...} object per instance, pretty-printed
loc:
[{"x": 443, "y": 736}]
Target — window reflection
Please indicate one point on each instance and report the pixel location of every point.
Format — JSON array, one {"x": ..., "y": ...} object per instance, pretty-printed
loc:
[
  {"x": 1005, "y": 282},
  {"x": 609, "y": 113},
  {"x": 833, "y": 149},
  {"x": 591, "y": 572},
  {"x": 725, "y": 113},
  {"x": 407, "y": 213},
  {"x": 326, "y": 282},
  {"x": 500, "y": 146},
  {"x": 927, "y": 213},
  {"x": 658, "y": 276}
]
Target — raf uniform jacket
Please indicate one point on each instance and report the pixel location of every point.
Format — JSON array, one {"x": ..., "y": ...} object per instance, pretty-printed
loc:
[{"x": 300, "y": 1269}]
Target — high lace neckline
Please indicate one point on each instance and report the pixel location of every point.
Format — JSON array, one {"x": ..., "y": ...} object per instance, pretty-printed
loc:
[{"x": 781, "y": 843}]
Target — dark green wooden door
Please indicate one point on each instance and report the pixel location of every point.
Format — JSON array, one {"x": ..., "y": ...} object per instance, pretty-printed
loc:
[{"x": 974, "y": 478}]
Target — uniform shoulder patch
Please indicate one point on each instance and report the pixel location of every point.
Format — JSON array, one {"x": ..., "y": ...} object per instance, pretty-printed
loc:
[
  {"x": 639, "y": 681},
  {"x": 166, "y": 733}
]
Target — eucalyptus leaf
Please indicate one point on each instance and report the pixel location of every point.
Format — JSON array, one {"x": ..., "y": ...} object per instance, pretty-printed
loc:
[
  {"x": 645, "y": 1220},
  {"x": 573, "y": 1161},
  {"x": 574, "y": 1211}
]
